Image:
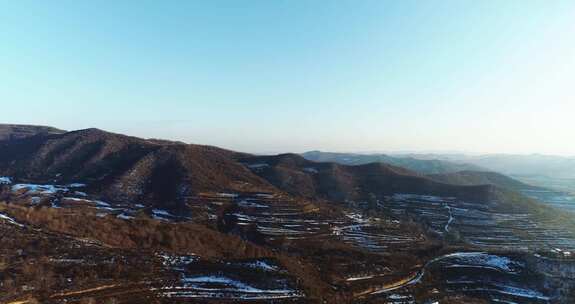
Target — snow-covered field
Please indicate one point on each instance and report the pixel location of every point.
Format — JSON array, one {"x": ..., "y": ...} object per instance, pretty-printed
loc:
[{"x": 238, "y": 280}]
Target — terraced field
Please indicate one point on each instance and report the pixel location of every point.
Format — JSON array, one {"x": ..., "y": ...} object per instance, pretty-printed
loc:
[
  {"x": 492, "y": 276},
  {"x": 113, "y": 275},
  {"x": 255, "y": 279},
  {"x": 483, "y": 225},
  {"x": 561, "y": 200},
  {"x": 279, "y": 220},
  {"x": 393, "y": 254},
  {"x": 500, "y": 278},
  {"x": 52, "y": 269}
]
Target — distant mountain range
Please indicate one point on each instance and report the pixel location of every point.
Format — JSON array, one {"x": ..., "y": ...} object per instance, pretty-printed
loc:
[
  {"x": 423, "y": 166},
  {"x": 553, "y": 172},
  {"x": 556, "y": 172},
  {"x": 124, "y": 168},
  {"x": 534, "y": 164},
  {"x": 332, "y": 181},
  {"x": 483, "y": 178}
]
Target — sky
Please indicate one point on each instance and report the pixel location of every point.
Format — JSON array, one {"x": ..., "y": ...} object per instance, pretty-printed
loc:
[{"x": 292, "y": 75}]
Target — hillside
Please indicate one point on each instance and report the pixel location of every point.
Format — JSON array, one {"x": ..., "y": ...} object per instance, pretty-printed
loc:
[
  {"x": 128, "y": 169},
  {"x": 423, "y": 166},
  {"x": 8, "y": 131},
  {"x": 298, "y": 176},
  {"x": 163, "y": 173},
  {"x": 123, "y": 168},
  {"x": 482, "y": 178}
]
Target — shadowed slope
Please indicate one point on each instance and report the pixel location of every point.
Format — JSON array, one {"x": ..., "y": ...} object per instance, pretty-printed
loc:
[
  {"x": 294, "y": 174},
  {"x": 124, "y": 168},
  {"x": 423, "y": 166},
  {"x": 482, "y": 178}
]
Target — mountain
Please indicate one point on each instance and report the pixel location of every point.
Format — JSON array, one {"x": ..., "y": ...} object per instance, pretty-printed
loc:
[
  {"x": 124, "y": 168},
  {"x": 510, "y": 164},
  {"x": 8, "y": 131},
  {"x": 121, "y": 168},
  {"x": 482, "y": 178},
  {"x": 95, "y": 217},
  {"x": 332, "y": 181},
  {"x": 166, "y": 174},
  {"x": 556, "y": 172},
  {"x": 423, "y": 166}
]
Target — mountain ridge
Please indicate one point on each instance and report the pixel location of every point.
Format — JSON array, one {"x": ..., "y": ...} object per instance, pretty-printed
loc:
[
  {"x": 127, "y": 168},
  {"x": 427, "y": 166},
  {"x": 15, "y": 131},
  {"x": 483, "y": 178},
  {"x": 333, "y": 181},
  {"x": 165, "y": 174}
]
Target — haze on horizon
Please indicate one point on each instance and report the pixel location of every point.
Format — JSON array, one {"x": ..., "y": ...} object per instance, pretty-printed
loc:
[{"x": 255, "y": 76}]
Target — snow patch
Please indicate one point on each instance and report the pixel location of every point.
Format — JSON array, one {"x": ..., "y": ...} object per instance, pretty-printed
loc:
[
  {"x": 41, "y": 189},
  {"x": 481, "y": 259},
  {"x": 124, "y": 216},
  {"x": 248, "y": 204},
  {"x": 177, "y": 262},
  {"x": 202, "y": 282},
  {"x": 263, "y": 265},
  {"x": 161, "y": 214},
  {"x": 102, "y": 204},
  {"x": 77, "y": 199},
  {"x": 10, "y": 220},
  {"x": 311, "y": 170},
  {"x": 5, "y": 180},
  {"x": 360, "y": 278},
  {"x": 76, "y": 185}
]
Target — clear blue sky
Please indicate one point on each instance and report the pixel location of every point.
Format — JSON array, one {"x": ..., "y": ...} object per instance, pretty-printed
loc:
[{"x": 270, "y": 76}]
